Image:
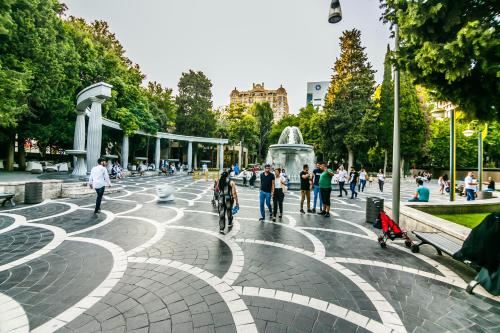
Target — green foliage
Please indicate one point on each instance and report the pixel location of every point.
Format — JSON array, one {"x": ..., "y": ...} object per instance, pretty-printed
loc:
[
  {"x": 386, "y": 102},
  {"x": 350, "y": 115},
  {"x": 161, "y": 105},
  {"x": 263, "y": 113},
  {"x": 277, "y": 128},
  {"x": 194, "y": 115},
  {"x": 453, "y": 48},
  {"x": 242, "y": 126}
]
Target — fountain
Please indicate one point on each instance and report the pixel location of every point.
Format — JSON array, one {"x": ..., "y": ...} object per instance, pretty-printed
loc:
[{"x": 291, "y": 154}]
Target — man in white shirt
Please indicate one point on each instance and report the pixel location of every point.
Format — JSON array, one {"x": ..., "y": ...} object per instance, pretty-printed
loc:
[
  {"x": 470, "y": 186},
  {"x": 98, "y": 180}
]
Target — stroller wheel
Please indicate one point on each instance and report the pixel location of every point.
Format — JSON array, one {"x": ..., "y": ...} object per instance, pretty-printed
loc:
[
  {"x": 408, "y": 243},
  {"x": 381, "y": 241},
  {"x": 414, "y": 248},
  {"x": 383, "y": 245}
]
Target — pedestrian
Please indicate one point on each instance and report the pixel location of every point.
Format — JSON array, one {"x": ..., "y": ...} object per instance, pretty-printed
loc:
[
  {"x": 362, "y": 180},
  {"x": 353, "y": 182},
  {"x": 253, "y": 178},
  {"x": 99, "y": 179},
  {"x": 470, "y": 186},
  {"x": 279, "y": 194},
  {"x": 441, "y": 184},
  {"x": 381, "y": 180},
  {"x": 325, "y": 187},
  {"x": 342, "y": 174},
  {"x": 266, "y": 190},
  {"x": 370, "y": 180},
  {"x": 244, "y": 175},
  {"x": 228, "y": 197},
  {"x": 491, "y": 185},
  {"x": 285, "y": 176},
  {"x": 317, "y": 194},
  {"x": 305, "y": 189},
  {"x": 422, "y": 193},
  {"x": 236, "y": 169}
]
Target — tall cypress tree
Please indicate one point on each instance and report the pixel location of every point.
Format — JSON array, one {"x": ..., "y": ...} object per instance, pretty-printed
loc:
[
  {"x": 386, "y": 113},
  {"x": 349, "y": 109}
]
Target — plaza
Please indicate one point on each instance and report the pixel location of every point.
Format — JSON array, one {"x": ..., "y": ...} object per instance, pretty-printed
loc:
[{"x": 142, "y": 266}]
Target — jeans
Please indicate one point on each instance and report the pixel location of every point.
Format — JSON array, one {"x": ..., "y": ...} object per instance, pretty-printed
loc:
[
  {"x": 353, "y": 190},
  {"x": 278, "y": 198},
  {"x": 470, "y": 194},
  {"x": 381, "y": 185},
  {"x": 316, "y": 195},
  {"x": 362, "y": 184},
  {"x": 305, "y": 194},
  {"x": 341, "y": 188},
  {"x": 265, "y": 196},
  {"x": 100, "y": 193}
]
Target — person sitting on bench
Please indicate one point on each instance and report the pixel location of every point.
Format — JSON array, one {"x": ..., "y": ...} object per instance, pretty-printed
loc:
[{"x": 422, "y": 193}]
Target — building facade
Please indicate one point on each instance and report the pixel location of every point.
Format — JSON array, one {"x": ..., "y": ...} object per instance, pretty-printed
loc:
[
  {"x": 278, "y": 99},
  {"x": 316, "y": 93}
]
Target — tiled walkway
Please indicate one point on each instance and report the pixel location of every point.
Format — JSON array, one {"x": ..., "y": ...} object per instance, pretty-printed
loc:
[{"x": 142, "y": 266}]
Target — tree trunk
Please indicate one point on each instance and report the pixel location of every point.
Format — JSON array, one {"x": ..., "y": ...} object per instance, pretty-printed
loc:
[
  {"x": 402, "y": 167},
  {"x": 240, "y": 154},
  {"x": 351, "y": 158},
  {"x": 21, "y": 152},
  {"x": 10, "y": 153},
  {"x": 385, "y": 161}
]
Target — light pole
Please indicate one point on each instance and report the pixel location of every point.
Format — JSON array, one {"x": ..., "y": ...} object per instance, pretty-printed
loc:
[
  {"x": 469, "y": 133},
  {"x": 334, "y": 16}
]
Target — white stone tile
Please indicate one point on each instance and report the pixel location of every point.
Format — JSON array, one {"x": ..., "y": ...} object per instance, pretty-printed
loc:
[
  {"x": 300, "y": 299},
  {"x": 269, "y": 293},
  {"x": 283, "y": 295},
  {"x": 230, "y": 296},
  {"x": 318, "y": 304},
  {"x": 236, "y": 305},
  {"x": 243, "y": 317},
  {"x": 247, "y": 328},
  {"x": 389, "y": 317},
  {"x": 250, "y": 291},
  {"x": 376, "y": 327},
  {"x": 356, "y": 318},
  {"x": 336, "y": 310}
]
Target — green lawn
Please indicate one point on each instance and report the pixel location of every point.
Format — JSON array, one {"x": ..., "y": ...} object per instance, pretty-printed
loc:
[{"x": 467, "y": 220}]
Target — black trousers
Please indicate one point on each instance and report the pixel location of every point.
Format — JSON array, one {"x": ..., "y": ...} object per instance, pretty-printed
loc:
[
  {"x": 381, "y": 185},
  {"x": 341, "y": 188},
  {"x": 325, "y": 195},
  {"x": 225, "y": 208},
  {"x": 278, "y": 198},
  {"x": 100, "y": 193}
]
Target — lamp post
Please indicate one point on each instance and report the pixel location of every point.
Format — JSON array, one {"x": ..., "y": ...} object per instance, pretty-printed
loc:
[
  {"x": 334, "y": 16},
  {"x": 468, "y": 133}
]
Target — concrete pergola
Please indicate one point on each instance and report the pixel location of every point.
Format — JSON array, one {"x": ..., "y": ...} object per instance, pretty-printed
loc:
[{"x": 89, "y": 102}]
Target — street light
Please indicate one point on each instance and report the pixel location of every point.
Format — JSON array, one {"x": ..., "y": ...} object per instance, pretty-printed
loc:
[
  {"x": 468, "y": 133},
  {"x": 335, "y": 15}
]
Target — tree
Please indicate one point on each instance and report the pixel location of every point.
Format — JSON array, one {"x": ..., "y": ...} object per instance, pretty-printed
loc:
[
  {"x": 350, "y": 115},
  {"x": 386, "y": 114},
  {"x": 264, "y": 115},
  {"x": 242, "y": 128},
  {"x": 162, "y": 106},
  {"x": 453, "y": 48},
  {"x": 194, "y": 101}
]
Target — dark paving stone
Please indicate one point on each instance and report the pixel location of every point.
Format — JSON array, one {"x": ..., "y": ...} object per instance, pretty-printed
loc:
[
  {"x": 152, "y": 297},
  {"x": 77, "y": 220},
  {"x": 22, "y": 241},
  {"x": 427, "y": 304},
  {"x": 194, "y": 248},
  {"x": 321, "y": 222},
  {"x": 83, "y": 201},
  {"x": 47, "y": 286},
  {"x": 42, "y": 211},
  {"x": 341, "y": 245},
  {"x": 276, "y": 268},
  {"x": 5, "y": 221},
  {"x": 126, "y": 233},
  {"x": 278, "y": 316},
  {"x": 117, "y": 206},
  {"x": 200, "y": 220},
  {"x": 155, "y": 211}
]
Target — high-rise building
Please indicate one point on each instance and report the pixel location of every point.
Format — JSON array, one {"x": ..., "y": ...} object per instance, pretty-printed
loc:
[
  {"x": 278, "y": 99},
  {"x": 316, "y": 93}
]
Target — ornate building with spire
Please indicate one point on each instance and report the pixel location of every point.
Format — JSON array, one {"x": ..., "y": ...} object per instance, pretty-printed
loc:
[{"x": 278, "y": 99}]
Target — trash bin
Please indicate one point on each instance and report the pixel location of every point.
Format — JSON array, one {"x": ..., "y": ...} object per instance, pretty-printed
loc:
[
  {"x": 373, "y": 207},
  {"x": 33, "y": 192}
]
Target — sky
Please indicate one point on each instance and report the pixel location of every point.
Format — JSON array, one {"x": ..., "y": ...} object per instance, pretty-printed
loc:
[{"x": 238, "y": 42}]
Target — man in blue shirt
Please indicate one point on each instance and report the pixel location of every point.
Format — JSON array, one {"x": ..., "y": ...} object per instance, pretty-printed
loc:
[
  {"x": 422, "y": 193},
  {"x": 266, "y": 191}
]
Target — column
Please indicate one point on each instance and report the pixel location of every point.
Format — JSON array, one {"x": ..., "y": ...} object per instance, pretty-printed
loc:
[
  {"x": 196, "y": 156},
  {"x": 480, "y": 160},
  {"x": 190, "y": 156},
  {"x": 94, "y": 139},
  {"x": 246, "y": 158},
  {"x": 240, "y": 155},
  {"x": 217, "y": 156},
  {"x": 453, "y": 151},
  {"x": 157, "y": 154},
  {"x": 80, "y": 168},
  {"x": 221, "y": 157},
  {"x": 125, "y": 152}
]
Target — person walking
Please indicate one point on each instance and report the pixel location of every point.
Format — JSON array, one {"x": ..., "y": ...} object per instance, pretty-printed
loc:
[
  {"x": 317, "y": 194},
  {"x": 305, "y": 189},
  {"x": 325, "y": 187},
  {"x": 99, "y": 179},
  {"x": 266, "y": 190},
  {"x": 342, "y": 179},
  {"x": 470, "y": 186},
  {"x": 362, "y": 180},
  {"x": 353, "y": 181},
  {"x": 381, "y": 180},
  {"x": 279, "y": 194},
  {"x": 228, "y": 197}
]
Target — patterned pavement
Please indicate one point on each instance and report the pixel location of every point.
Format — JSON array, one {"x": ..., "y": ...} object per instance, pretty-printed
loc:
[{"x": 142, "y": 266}]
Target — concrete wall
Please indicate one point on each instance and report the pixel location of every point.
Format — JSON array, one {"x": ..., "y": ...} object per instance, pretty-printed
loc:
[{"x": 52, "y": 189}]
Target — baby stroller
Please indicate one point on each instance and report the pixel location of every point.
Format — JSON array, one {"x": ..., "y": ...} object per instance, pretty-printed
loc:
[
  {"x": 215, "y": 197},
  {"x": 391, "y": 231}
]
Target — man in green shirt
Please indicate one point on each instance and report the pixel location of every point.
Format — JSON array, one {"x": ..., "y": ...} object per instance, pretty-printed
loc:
[
  {"x": 422, "y": 194},
  {"x": 325, "y": 188}
]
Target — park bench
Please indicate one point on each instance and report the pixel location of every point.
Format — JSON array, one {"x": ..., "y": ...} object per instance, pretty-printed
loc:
[{"x": 7, "y": 197}]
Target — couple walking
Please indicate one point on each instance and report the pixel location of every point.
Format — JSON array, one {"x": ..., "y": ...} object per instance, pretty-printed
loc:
[{"x": 271, "y": 185}]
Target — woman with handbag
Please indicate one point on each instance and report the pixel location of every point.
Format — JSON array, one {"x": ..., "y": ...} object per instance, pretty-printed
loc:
[{"x": 279, "y": 193}]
